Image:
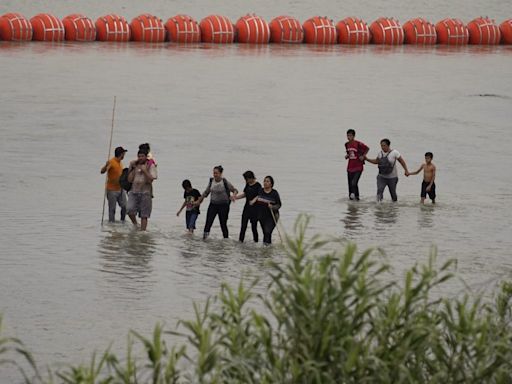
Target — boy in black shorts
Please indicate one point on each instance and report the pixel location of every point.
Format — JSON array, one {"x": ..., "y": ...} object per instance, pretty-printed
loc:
[{"x": 428, "y": 186}]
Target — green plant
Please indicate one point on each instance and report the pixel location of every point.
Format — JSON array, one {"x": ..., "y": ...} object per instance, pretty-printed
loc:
[
  {"x": 11, "y": 349},
  {"x": 330, "y": 315}
]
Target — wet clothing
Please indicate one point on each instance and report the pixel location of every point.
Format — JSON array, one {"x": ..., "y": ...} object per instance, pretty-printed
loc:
[
  {"x": 268, "y": 221},
  {"x": 355, "y": 166},
  {"x": 140, "y": 183},
  {"x": 431, "y": 193},
  {"x": 115, "y": 194},
  {"x": 353, "y": 180},
  {"x": 192, "y": 211},
  {"x": 141, "y": 194},
  {"x": 190, "y": 197},
  {"x": 355, "y": 149},
  {"x": 219, "y": 204},
  {"x": 222, "y": 210},
  {"x": 250, "y": 212},
  {"x": 140, "y": 203},
  {"x": 114, "y": 198},
  {"x": 115, "y": 168},
  {"x": 392, "y": 156},
  {"x": 190, "y": 219},
  {"x": 219, "y": 191},
  {"x": 382, "y": 183}
]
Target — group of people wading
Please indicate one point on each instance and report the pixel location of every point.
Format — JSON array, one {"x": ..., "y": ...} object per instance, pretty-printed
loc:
[
  {"x": 356, "y": 154},
  {"x": 262, "y": 203}
]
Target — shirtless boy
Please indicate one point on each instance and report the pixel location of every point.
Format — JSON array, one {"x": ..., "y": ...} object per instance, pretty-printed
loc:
[{"x": 428, "y": 186}]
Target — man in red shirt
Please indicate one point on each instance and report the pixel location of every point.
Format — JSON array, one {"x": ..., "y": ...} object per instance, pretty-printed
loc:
[{"x": 356, "y": 151}]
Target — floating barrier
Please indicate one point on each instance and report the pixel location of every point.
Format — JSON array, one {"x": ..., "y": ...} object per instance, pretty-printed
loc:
[
  {"x": 147, "y": 28},
  {"x": 78, "y": 27},
  {"x": 506, "y": 32},
  {"x": 319, "y": 30},
  {"x": 452, "y": 32},
  {"x": 112, "y": 28},
  {"x": 483, "y": 31},
  {"x": 47, "y": 27},
  {"x": 217, "y": 29},
  {"x": 420, "y": 32},
  {"x": 15, "y": 27},
  {"x": 387, "y": 31},
  {"x": 183, "y": 29},
  {"x": 286, "y": 29},
  {"x": 353, "y": 31},
  {"x": 252, "y": 29}
]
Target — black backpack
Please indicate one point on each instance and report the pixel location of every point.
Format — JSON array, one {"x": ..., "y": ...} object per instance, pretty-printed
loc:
[
  {"x": 385, "y": 166},
  {"x": 123, "y": 180}
]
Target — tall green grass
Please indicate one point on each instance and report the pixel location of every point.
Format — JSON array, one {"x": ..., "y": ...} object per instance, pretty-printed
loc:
[{"x": 331, "y": 315}]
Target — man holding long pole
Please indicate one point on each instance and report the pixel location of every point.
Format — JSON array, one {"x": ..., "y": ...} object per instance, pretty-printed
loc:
[{"x": 114, "y": 192}]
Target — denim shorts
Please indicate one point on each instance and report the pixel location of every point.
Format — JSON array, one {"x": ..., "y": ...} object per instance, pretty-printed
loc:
[{"x": 190, "y": 218}]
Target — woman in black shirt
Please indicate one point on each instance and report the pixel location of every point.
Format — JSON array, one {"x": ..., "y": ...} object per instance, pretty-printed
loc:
[
  {"x": 268, "y": 203},
  {"x": 250, "y": 212}
]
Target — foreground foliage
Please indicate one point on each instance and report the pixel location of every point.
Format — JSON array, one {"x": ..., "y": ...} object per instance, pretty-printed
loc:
[{"x": 329, "y": 317}]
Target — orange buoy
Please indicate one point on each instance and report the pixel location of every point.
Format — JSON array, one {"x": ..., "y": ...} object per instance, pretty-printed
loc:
[
  {"x": 387, "y": 31},
  {"x": 112, "y": 28},
  {"x": 483, "y": 30},
  {"x": 252, "y": 29},
  {"x": 15, "y": 27},
  {"x": 183, "y": 29},
  {"x": 452, "y": 32},
  {"x": 147, "y": 28},
  {"x": 79, "y": 28},
  {"x": 419, "y": 31},
  {"x": 353, "y": 31},
  {"x": 319, "y": 30},
  {"x": 286, "y": 29},
  {"x": 47, "y": 27},
  {"x": 217, "y": 29},
  {"x": 506, "y": 31}
]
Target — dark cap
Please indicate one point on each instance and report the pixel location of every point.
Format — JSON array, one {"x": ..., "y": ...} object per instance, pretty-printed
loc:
[{"x": 119, "y": 151}]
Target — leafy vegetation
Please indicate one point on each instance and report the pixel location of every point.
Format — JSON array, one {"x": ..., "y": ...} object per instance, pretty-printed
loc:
[{"x": 329, "y": 316}]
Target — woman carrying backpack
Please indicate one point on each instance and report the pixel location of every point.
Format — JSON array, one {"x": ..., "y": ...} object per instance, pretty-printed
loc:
[
  {"x": 388, "y": 175},
  {"x": 221, "y": 191}
]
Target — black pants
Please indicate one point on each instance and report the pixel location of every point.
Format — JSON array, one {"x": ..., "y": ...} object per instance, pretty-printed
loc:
[
  {"x": 217, "y": 209},
  {"x": 353, "y": 180},
  {"x": 249, "y": 214},
  {"x": 267, "y": 225}
]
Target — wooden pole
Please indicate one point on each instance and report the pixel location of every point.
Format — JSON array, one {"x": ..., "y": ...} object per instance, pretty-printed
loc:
[{"x": 275, "y": 221}]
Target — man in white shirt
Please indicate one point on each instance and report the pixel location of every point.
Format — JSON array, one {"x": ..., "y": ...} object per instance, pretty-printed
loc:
[{"x": 388, "y": 175}]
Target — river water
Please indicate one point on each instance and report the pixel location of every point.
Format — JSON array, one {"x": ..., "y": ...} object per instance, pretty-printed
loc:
[{"x": 69, "y": 286}]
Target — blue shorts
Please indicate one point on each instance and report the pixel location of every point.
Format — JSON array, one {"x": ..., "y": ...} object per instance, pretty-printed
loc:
[{"x": 190, "y": 219}]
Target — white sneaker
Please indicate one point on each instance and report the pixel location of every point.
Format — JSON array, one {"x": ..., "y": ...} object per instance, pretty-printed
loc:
[{"x": 352, "y": 196}]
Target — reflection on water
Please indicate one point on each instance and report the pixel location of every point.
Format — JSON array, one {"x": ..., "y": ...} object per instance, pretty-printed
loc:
[
  {"x": 127, "y": 252},
  {"x": 426, "y": 216},
  {"x": 352, "y": 218},
  {"x": 386, "y": 213}
]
